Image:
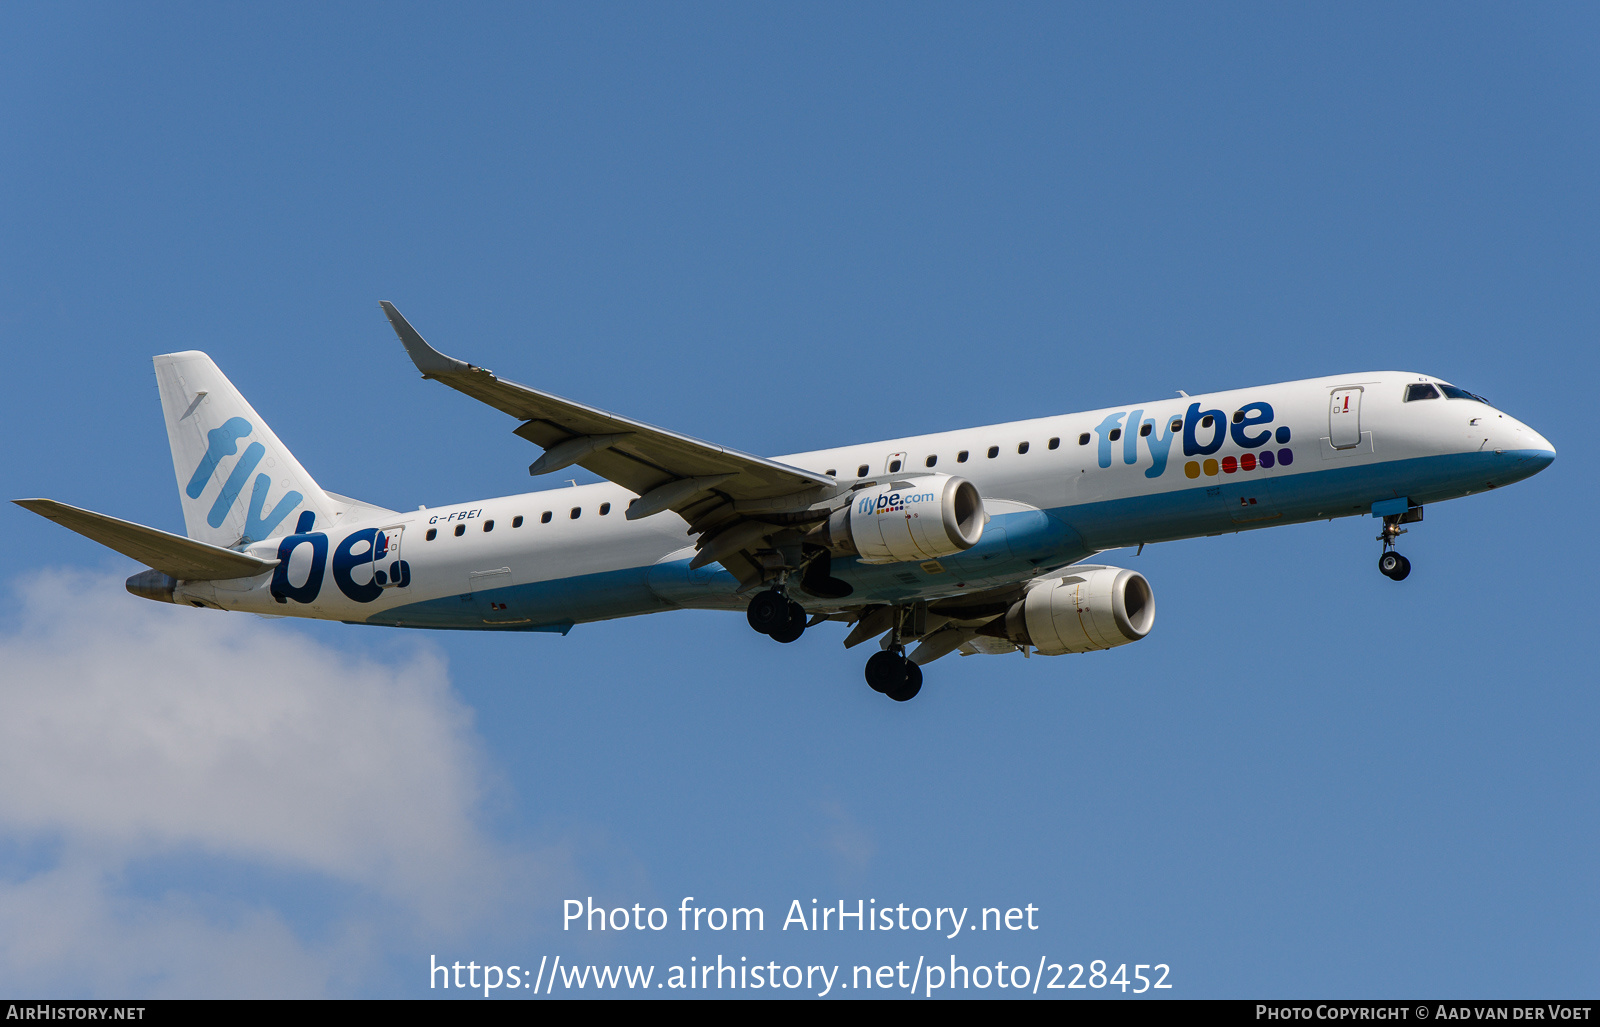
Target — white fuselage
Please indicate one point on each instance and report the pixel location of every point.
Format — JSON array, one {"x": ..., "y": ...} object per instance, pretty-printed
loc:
[{"x": 1056, "y": 489}]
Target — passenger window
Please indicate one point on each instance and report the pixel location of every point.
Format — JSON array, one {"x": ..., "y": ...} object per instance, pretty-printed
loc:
[
  {"x": 545, "y": 519},
  {"x": 1144, "y": 429},
  {"x": 1055, "y": 443},
  {"x": 1205, "y": 422},
  {"x": 1022, "y": 447},
  {"x": 1177, "y": 426},
  {"x": 1116, "y": 433},
  {"x": 488, "y": 525},
  {"x": 961, "y": 457},
  {"x": 994, "y": 451},
  {"x": 830, "y": 472},
  {"x": 861, "y": 472},
  {"x": 1238, "y": 417},
  {"x": 605, "y": 508},
  {"x": 576, "y": 511},
  {"x": 433, "y": 533},
  {"x": 516, "y": 522},
  {"x": 1421, "y": 392},
  {"x": 932, "y": 460},
  {"x": 894, "y": 465},
  {"x": 1083, "y": 440},
  {"x": 461, "y": 529}
]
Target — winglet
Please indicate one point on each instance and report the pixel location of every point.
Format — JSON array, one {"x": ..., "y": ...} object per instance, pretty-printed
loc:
[{"x": 428, "y": 360}]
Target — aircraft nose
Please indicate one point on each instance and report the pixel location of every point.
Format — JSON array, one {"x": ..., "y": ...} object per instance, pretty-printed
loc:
[
  {"x": 1543, "y": 450},
  {"x": 1530, "y": 448}
]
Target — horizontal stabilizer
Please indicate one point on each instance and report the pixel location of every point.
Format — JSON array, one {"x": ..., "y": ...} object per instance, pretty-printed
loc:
[{"x": 183, "y": 558}]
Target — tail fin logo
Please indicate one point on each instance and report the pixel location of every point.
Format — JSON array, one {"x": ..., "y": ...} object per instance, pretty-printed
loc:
[{"x": 223, "y": 441}]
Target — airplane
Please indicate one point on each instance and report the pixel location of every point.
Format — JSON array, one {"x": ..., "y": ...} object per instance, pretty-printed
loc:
[{"x": 973, "y": 541}]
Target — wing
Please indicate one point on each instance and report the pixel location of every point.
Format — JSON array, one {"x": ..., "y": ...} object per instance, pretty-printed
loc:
[
  {"x": 738, "y": 504},
  {"x": 181, "y": 557}
]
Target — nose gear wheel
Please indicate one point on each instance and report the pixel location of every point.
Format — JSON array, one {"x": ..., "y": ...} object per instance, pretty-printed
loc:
[{"x": 1391, "y": 564}]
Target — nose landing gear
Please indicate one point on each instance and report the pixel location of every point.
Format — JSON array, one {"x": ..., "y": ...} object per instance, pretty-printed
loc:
[{"x": 1391, "y": 564}]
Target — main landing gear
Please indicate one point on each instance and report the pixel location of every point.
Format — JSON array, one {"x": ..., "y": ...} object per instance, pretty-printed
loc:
[
  {"x": 774, "y": 613},
  {"x": 1391, "y": 564},
  {"x": 891, "y": 673}
]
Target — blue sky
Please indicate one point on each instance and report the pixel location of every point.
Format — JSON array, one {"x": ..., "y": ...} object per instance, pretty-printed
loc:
[{"x": 784, "y": 228}]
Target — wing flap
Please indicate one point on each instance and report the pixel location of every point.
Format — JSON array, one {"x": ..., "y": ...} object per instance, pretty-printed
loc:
[{"x": 177, "y": 555}]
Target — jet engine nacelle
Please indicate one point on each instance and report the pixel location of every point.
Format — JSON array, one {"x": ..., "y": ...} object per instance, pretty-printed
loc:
[
  {"x": 1090, "y": 608},
  {"x": 920, "y": 519}
]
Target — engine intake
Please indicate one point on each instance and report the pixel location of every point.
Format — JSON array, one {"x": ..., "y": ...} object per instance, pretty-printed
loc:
[
  {"x": 1089, "y": 609},
  {"x": 921, "y": 519}
]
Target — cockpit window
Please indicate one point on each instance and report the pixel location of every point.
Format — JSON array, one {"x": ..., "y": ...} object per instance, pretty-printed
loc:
[
  {"x": 1455, "y": 393},
  {"x": 1421, "y": 392}
]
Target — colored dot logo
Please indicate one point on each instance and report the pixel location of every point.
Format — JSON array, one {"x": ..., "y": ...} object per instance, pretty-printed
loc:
[{"x": 1233, "y": 465}]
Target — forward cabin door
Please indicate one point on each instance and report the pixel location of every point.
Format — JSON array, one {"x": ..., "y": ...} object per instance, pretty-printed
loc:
[{"x": 1344, "y": 418}]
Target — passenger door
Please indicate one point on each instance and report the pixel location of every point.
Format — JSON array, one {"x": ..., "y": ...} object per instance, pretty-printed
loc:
[{"x": 1344, "y": 418}]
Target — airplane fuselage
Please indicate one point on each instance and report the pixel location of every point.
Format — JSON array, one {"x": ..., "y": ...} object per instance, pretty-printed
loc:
[{"x": 1056, "y": 491}]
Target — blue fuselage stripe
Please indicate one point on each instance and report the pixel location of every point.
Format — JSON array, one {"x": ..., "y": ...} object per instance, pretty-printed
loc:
[{"x": 1014, "y": 545}]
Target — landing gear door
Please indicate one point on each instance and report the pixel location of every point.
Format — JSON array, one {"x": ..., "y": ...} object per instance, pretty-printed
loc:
[
  {"x": 388, "y": 570},
  {"x": 1344, "y": 418}
]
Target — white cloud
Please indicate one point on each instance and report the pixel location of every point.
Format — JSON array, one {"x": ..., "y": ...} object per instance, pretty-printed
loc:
[
  {"x": 71, "y": 933},
  {"x": 131, "y": 730},
  {"x": 846, "y": 839}
]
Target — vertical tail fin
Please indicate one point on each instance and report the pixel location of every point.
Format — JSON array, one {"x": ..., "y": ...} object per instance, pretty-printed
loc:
[{"x": 237, "y": 482}]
